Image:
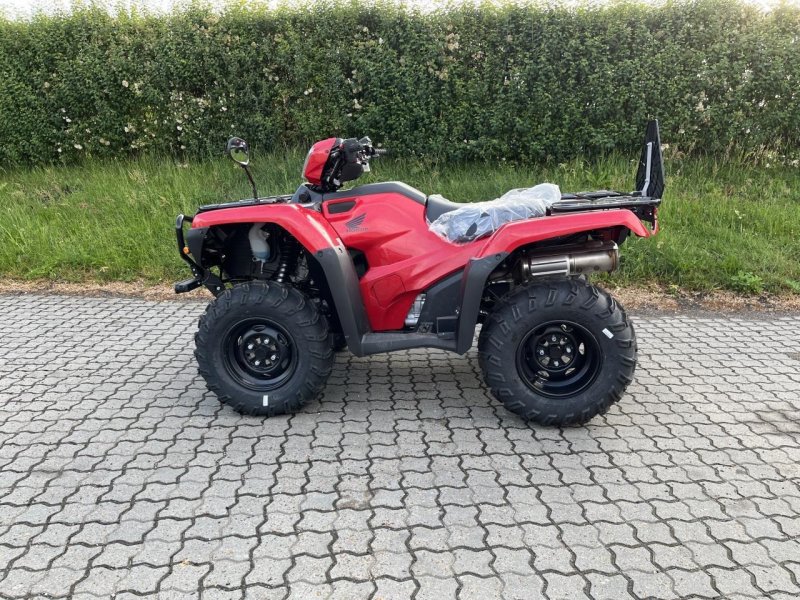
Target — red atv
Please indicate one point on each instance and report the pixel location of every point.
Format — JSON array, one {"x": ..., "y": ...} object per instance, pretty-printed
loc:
[{"x": 300, "y": 276}]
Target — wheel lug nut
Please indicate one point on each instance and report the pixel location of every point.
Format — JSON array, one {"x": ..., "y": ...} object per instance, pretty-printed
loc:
[
  {"x": 541, "y": 352},
  {"x": 249, "y": 346},
  {"x": 569, "y": 349},
  {"x": 273, "y": 357},
  {"x": 555, "y": 364}
]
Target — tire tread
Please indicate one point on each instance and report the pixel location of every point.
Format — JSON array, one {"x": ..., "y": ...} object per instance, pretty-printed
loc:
[
  {"x": 504, "y": 381},
  {"x": 277, "y": 298}
]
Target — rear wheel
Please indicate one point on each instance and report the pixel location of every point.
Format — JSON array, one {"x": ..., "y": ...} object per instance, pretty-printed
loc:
[
  {"x": 263, "y": 348},
  {"x": 558, "y": 353}
]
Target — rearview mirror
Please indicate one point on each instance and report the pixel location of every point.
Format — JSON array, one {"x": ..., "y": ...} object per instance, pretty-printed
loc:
[{"x": 238, "y": 150}]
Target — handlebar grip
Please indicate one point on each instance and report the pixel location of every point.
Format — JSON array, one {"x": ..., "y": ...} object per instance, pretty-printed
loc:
[{"x": 380, "y": 151}]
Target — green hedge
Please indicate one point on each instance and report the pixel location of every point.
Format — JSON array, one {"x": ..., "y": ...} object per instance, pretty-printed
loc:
[{"x": 470, "y": 82}]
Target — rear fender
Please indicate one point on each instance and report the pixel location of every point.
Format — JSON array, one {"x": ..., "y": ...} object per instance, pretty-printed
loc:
[{"x": 516, "y": 234}]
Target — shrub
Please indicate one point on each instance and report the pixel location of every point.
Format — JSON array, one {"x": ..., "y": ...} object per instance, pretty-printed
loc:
[
  {"x": 747, "y": 282},
  {"x": 470, "y": 82}
]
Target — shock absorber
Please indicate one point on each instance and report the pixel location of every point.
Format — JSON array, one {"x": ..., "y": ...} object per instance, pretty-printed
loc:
[{"x": 289, "y": 254}]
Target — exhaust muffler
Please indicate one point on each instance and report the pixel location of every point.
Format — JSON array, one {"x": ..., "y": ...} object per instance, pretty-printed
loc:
[{"x": 582, "y": 260}]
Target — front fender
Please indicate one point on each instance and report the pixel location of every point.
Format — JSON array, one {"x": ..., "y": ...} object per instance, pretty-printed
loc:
[
  {"x": 308, "y": 226},
  {"x": 513, "y": 235},
  {"x": 322, "y": 242}
]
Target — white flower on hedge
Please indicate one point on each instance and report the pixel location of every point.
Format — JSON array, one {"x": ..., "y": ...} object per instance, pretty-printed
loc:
[
  {"x": 125, "y": 83},
  {"x": 77, "y": 146},
  {"x": 308, "y": 91},
  {"x": 224, "y": 108},
  {"x": 46, "y": 84},
  {"x": 68, "y": 120},
  {"x": 179, "y": 128},
  {"x": 356, "y": 105}
]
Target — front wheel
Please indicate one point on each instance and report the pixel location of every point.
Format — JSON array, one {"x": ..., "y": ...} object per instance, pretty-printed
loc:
[
  {"x": 263, "y": 348},
  {"x": 558, "y": 353}
]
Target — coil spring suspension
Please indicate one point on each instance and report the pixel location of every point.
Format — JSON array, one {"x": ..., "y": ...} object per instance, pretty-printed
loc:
[{"x": 289, "y": 255}]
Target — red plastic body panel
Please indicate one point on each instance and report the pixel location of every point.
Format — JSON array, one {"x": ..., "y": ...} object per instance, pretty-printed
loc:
[
  {"x": 396, "y": 241},
  {"x": 316, "y": 159},
  {"x": 403, "y": 255},
  {"x": 308, "y": 226},
  {"x": 513, "y": 235}
]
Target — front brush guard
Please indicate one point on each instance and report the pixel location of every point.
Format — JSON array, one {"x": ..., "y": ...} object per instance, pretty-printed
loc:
[{"x": 201, "y": 276}]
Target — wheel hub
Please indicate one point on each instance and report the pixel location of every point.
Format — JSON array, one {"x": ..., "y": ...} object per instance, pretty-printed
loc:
[
  {"x": 555, "y": 350},
  {"x": 262, "y": 350},
  {"x": 559, "y": 358},
  {"x": 260, "y": 353}
]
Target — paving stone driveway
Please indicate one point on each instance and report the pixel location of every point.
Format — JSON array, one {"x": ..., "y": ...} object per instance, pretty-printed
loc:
[{"x": 121, "y": 477}]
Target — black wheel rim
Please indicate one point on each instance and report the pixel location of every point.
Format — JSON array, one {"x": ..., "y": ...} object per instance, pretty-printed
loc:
[
  {"x": 259, "y": 354},
  {"x": 559, "y": 359}
]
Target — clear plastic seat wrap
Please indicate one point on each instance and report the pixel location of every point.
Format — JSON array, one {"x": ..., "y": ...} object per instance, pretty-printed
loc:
[{"x": 471, "y": 221}]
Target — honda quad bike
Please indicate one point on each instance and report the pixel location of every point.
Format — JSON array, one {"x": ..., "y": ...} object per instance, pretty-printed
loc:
[{"x": 300, "y": 276}]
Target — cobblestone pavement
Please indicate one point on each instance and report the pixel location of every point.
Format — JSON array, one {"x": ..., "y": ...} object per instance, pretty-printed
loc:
[{"x": 121, "y": 477}]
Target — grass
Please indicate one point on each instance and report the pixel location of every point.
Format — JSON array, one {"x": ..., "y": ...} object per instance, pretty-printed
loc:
[{"x": 725, "y": 225}]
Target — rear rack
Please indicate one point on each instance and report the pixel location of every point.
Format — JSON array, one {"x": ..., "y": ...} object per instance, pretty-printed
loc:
[
  {"x": 643, "y": 201},
  {"x": 643, "y": 207}
]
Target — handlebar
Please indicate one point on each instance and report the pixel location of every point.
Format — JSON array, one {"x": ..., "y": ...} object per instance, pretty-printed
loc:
[
  {"x": 347, "y": 161},
  {"x": 368, "y": 149}
]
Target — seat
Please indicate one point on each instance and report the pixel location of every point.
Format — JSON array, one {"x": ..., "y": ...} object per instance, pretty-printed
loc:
[
  {"x": 436, "y": 206},
  {"x": 464, "y": 222}
]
